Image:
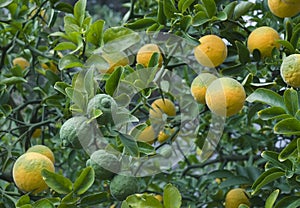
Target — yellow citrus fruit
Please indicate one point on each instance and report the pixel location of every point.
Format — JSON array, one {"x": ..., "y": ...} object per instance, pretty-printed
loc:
[
  {"x": 290, "y": 70},
  {"x": 165, "y": 134},
  {"x": 159, "y": 197},
  {"x": 21, "y": 62},
  {"x": 37, "y": 133},
  {"x": 27, "y": 172},
  {"x": 199, "y": 86},
  {"x": 225, "y": 96},
  {"x": 284, "y": 8},
  {"x": 235, "y": 197},
  {"x": 44, "y": 150},
  {"x": 50, "y": 66},
  {"x": 145, "y": 53},
  {"x": 161, "y": 106},
  {"x": 114, "y": 60},
  {"x": 211, "y": 52},
  {"x": 263, "y": 39},
  {"x": 147, "y": 135}
]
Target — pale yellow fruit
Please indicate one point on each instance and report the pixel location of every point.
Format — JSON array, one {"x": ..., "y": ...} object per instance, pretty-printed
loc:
[
  {"x": 211, "y": 52},
  {"x": 21, "y": 62},
  {"x": 44, "y": 150},
  {"x": 147, "y": 135},
  {"x": 290, "y": 70},
  {"x": 263, "y": 39},
  {"x": 284, "y": 8},
  {"x": 225, "y": 96},
  {"x": 236, "y": 197},
  {"x": 199, "y": 86},
  {"x": 145, "y": 53},
  {"x": 165, "y": 135},
  {"x": 162, "y": 106}
]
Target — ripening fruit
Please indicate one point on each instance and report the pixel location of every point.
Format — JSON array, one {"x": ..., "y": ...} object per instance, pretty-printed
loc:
[
  {"x": 21, "y": 62},
  {"x": 211, "y": 52},
  {"x": 147, "y": 135},
  {"x": 162, "y": 106},
  {"x": 114, "y": 60},
  {"x": 50, "y": 66},
  {"x": 145, "y": 53},
  {"x": 199, "y": 86},
  {"x": 27, "y": 172},
  {"x": 236, "y": 197},
  {"x": 225, "y": 96},
  {"x": 44, "y": 150},
  {"x": 165, "y": 134},
  {"x": 263, "y": 39},
  {"x": 284, "y": 8},
  {"x": 290, "y": 70}
]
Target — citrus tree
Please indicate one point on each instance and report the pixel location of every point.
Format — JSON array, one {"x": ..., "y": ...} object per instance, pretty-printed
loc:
[{"x": 179, "y": 103}]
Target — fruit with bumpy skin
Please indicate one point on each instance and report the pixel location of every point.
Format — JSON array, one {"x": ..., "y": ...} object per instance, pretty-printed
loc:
[
  {"x": 284, "y": 8},
  {"x": 211, "y": 52},
  {"x": 160, "y": 106},
  {"x": 106, "y": 104},
  {"x": 105, "y": 164},
  {"x": 114, "y": 60},
  {"x": 236, "y": 197},
  {"x": 122, "y": 186},
  {"x": 73, "y": 130},
  {"x": 44, "y": 150},
  {"x": 225, "y": 96},
  {"x": 199, "y": 86},
  {"x": 27, "y": 172},
  {"x": 263, "y": 39},
  {"x": 21, "y": 62},
  {"x": 290, "y": 70},
  {"x": 145, "y": 53}
]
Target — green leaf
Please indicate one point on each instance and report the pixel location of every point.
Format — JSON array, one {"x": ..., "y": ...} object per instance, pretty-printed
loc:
[
  {"x": 210, "y": 7},
  {"x": 129, "y": 144},
  {"x": 288, "y": 126},
  {"x": 61, "y": 87},
  {"x": 243, "y": 51},
  {"x": 235, "y": 180},
  {"x": 5, "y": 110},
  {"x": 98, "y": 62},
  {"x": 64, "y": 7},
  {"x": 69, "y": 61},
  {"x": 287, "y": 45},
  {"x": 118, "y": 39},
  {"x": 146, "y": 148},
  {"x": 183, "y": 5},
  {"x": 95, "y": 33},
  {"x": 112, "y": 82},
  {"x": 291, "y": 101},
  {"x": 161, "y": 17},
  {"x": 289, "y": 150},
  {"x": 229, "y": 9},
  {"x": 94, "y": 199},
  {"x": 141, "y": 23},
  {"x": 84, "y": 181},
  {"x": 79, "y": 11},
  {"x": 271, "y": 113},
  {"x": 171, "y": 197},
  {"x": 200, "y": 18},
  {"x": 4, "y": 3},
  {"x": 271, "y": 199},
  {"x": 90, "y": 85},
  {"x": 154, "y": 60},
  {"x": 25, "y": 199},
  {"x": 295, "y": 37},
  {"x": 58, "y": 183},
  {"x": 12, "y": 80},
  {"x": 288, "y": 202},
  {"x": 65, "y": 46},
  {"x": 185, "y": 22},
  {"x": 242, "y": 8},
  {"x": 273, "y": 157},
  {"x": 266, "y": 96},
  {"x": 144, "y": 201},
  {"x": 169, "y": 9},
  {"x": 267, "y": 177},
  {"x": 43, "y": 203}
]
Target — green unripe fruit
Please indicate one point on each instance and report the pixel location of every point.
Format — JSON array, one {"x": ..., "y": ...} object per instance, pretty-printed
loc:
[
  {"x": 106, "y": 104},
  {"x": 123, "y": 186},
  {"x": 74, "y": 129},
  {"x": 104, "y": 164}
]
